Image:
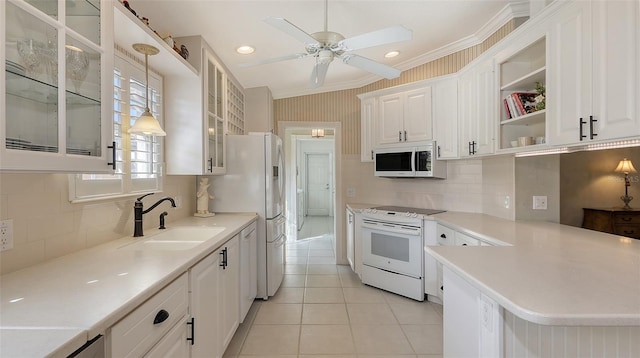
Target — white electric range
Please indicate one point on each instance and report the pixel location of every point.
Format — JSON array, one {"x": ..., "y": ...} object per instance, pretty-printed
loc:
[{"x": 393, "y": 239}]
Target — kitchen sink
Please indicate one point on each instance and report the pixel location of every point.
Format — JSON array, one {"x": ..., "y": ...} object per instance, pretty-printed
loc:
[{"x": 176, "y": 239}]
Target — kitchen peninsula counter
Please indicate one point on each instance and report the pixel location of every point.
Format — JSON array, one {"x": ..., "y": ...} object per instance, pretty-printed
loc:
[
  {"x": 51, "y": 309},
  {"x": 550, "y": 274},
  {"x": 545, "y": 289}
]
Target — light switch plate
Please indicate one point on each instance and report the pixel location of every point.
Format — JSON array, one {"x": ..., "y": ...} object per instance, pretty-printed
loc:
[
  {"x": 6, "y": 235},
  {"x": 539, "y": 202}
]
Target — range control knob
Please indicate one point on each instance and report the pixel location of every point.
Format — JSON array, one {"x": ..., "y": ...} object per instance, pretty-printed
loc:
[
  {"x": 414, "y": 215},
  {"x": 407, "y": 214},
  {"x": 374, "y": 211}
]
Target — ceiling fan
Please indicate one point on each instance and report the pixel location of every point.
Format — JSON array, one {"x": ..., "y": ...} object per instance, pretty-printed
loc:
[{"x": 326, "y": 45}]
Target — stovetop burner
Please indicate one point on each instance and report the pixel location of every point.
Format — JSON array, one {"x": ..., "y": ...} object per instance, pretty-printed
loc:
[{"x": 402, "y": 209}]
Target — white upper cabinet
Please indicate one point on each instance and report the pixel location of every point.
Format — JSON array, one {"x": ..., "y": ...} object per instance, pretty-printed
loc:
[
  {"x": 521, "y": 71},
  {"x": 367, "y": 117},
  {"x": 56, "y": 113},
  {"x": 403, "y": 117},
  {"x": 196, "y": 131},
  {"x": 445, "y": 117},
  {"x": 594, "y": 79},
  {"x": 476, "y": 88}
]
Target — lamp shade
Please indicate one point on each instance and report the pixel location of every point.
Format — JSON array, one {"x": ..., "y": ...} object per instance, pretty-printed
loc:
[
  {"x": 146, "y": 124},
  {"x": 625, "y": 166}
]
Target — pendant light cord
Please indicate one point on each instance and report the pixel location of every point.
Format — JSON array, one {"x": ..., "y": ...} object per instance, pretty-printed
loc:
[{"x": 146, "y": 73}]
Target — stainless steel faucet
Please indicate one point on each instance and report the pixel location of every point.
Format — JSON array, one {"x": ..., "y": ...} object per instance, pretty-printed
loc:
[{"x": 138, "y": 211}]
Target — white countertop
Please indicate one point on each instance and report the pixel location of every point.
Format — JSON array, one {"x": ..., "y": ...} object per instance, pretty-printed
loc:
[
  {"x": 553, "y": 274},
  {"x": 357, "y": 207},
  {"x": 76, "y": 297}
]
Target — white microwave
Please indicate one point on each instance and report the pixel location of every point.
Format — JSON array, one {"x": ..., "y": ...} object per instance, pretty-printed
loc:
[{"x": 409, "y": 162}]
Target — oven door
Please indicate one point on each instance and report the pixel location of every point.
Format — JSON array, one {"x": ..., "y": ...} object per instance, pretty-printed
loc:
[{"x": 392, "y": 246}]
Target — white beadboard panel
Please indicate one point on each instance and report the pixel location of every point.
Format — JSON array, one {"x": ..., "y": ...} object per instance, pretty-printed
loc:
[{"x": 524, "y": 339}]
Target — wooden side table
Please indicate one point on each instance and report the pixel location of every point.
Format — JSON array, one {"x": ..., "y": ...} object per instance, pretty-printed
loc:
[{"x": 616, "y": 221}]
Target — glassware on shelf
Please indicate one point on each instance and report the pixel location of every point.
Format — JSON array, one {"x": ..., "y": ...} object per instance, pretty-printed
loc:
[
  {"x": 30, "y": 55},
  {"x": 77, "y": 65}
]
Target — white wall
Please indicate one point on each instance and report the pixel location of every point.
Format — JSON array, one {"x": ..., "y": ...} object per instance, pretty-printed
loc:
[{"x": 46, "y": 225}]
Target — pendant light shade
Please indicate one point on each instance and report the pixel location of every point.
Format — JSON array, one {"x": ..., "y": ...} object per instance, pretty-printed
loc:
[{"x": 146, "y": 124}]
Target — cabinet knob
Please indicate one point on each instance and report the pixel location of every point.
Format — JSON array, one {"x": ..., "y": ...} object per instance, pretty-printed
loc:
[
  {"x": 443, "y": 236},
  {"x": 161, "y": 316}
]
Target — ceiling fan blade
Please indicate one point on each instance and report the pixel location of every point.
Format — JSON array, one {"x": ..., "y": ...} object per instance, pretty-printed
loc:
[
  {"x": 291, "y": 29},
  {"x": 372, "y": 66},
  {"x": 318, "y": 74},
  {"x": 376, "y": 38},
  {"x": 273, "y": 59}
]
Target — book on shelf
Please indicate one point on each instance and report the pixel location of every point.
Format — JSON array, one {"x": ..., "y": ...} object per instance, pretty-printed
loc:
[{"x": 520, "y": 103}]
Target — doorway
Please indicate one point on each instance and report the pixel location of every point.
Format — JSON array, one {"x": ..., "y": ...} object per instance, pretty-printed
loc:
[{"x": 312, "y": 163}]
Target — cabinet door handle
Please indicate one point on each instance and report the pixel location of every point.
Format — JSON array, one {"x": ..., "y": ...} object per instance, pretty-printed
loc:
[
  {"x": 470, "y": 148},
  {"x": 582, "y": 136},
  {"x": 210, "y": 161},
  {"x": 193, "y": 336},
  {"x": 438, "y": 151},
  {"x": 625, "y": 218},
  {"x": 113, "y": 155},
  {"x": 372, "y": 155},
  {"x": 405, "y": 136},
  {"x": 464, "y": 245},
  {"x": 223, "y": 263},
  {"x": 629, "y": 232},
  {"x": 161, "y": 316},
  {"x": 473, "y": 147},
  {"x": 399, "y": 136},
  {"x": 591, "y": 134}
]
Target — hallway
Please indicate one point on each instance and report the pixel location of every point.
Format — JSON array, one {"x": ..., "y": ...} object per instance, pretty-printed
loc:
[{"x": 323, "y": 309}]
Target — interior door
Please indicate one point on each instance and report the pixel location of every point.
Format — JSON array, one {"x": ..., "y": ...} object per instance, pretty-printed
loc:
[{"x": 318, "y": 184}]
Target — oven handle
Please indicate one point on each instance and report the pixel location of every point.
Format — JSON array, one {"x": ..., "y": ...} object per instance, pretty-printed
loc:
[{"x": 397, "y": 229}]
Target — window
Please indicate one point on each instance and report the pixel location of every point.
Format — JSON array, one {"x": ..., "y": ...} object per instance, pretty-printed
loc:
[{"x": 138, "y": 157}]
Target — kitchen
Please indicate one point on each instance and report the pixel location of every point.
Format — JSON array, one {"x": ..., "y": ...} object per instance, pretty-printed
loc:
[{"x": 491, "y": 185}]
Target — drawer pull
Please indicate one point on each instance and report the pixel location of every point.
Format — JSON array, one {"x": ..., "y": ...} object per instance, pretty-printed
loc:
[
  {"x": 629, "y": 232},
  {"x": 464, "y": 245},
  {"x": 161, "y": 316},
  {"x": 443, "y": 236},
  {"x": 626, "y": 218}
]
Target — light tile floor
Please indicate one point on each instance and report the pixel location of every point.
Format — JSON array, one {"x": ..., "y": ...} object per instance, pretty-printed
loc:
[{"x": 323, "y": 309}]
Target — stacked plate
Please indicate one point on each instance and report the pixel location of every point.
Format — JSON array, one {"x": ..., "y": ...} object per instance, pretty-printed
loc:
[{"x": 14, "y": 67}]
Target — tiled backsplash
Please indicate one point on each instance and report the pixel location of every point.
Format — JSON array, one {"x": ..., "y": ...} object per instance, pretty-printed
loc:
[
  {"x": 467, "y": 188},
  {"x": 46, "y": 225}
]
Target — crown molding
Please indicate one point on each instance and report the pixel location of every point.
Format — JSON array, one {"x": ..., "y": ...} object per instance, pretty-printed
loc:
[{"x": 509, "y": 12}]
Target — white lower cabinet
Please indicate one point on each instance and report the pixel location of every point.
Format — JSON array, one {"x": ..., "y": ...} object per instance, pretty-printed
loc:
[
  {"x": 174, "y": 344},
  {"x": 248, "y": 268},
  {"x": 215, "y": 285},
  {"x": 146, "y": 327}
]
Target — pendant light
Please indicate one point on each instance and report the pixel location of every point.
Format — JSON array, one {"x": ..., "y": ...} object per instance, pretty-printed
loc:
[{"x": 146, "y": 124}]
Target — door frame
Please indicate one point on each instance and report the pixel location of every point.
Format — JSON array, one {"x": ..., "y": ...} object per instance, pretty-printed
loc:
[
  {"x": 338, "y": 200},
  {"x": 306, "y": 174}
]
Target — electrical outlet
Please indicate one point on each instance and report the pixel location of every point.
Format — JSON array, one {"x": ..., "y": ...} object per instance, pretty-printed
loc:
[
  {"x": 539, "y": 202},
  {"x": 6, "y": 235},
  {"x": 178, "y": 201},
  {"x": 351, "y": 192}
]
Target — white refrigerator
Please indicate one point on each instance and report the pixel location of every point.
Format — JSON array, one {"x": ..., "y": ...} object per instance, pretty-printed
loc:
[{"x": 254, "y": 182}]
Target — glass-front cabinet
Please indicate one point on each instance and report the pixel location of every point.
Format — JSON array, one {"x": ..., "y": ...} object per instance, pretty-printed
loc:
[
  {"x": 215, "y": 109},
  {"x": 57, "y": 56}
]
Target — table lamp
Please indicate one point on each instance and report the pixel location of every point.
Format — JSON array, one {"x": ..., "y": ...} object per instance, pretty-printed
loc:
[{"x": 625, "y": 166}]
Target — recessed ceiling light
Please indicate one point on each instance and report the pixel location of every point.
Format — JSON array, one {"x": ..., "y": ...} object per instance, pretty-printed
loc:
[
  {"x": 245, "y": 50},
  {"x": 391, "y": 54}
]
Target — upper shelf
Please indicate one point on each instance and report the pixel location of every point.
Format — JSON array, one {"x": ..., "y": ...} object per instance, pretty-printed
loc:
[{"x": 130, "y": 30}]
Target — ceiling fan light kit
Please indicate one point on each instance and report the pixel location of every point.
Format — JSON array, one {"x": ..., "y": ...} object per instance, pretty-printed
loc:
[{"x": 326, "y": 45}]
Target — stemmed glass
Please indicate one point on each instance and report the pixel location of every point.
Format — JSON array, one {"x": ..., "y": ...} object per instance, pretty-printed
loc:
[
  {"x": 77, "y": 65},
  {"x": 28, "y": 51}
]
